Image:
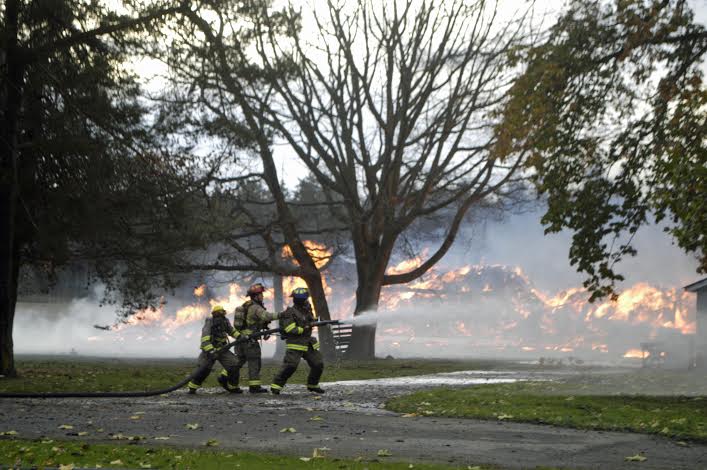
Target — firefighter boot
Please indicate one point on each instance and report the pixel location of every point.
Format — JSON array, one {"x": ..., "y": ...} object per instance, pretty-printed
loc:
[
  {"x": 192, "y": 387},
  {"x": 257, "y": 389},
  {"x": 223, "y": 381},
  {"x": 315, "y": 389}
]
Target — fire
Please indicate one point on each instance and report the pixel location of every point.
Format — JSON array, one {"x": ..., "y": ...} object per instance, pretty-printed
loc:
[
  {"x": 634, "y": 354},
  {"x": 183, "y": 318},
  {"x": 519, "y": 316},
  {"x": 527, "y": 319},
  {"x": 407, "y": 265},
  {"x": 321, "y": 255}
]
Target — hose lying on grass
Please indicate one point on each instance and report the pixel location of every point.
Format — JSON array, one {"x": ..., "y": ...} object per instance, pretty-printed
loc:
[{"x": 148, "y": 393}]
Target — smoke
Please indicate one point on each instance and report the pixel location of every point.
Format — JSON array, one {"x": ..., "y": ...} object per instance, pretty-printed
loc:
[
  {"x": 491, "y": 326},
  {"x": 519, "y": 240},
  {"x": 470, "y": 325},
  {"x": 68, "y": 328}
]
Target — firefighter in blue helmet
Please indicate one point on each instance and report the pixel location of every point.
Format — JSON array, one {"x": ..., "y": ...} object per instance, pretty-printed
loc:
[
  {"x": 296, "y": 330},
  {"x": 214, "y": 336}
]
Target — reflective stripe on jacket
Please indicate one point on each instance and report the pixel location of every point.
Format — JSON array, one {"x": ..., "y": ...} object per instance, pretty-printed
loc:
[
  {"x": 254, "y": 317},
  {"x": 215, "y": 333},
  {"x": 293, "y": 322}
]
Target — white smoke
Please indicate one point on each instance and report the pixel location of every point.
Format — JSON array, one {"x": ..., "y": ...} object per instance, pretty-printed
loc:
[
  {"x": 517, "y": 241},
  {"x": 68, "y": 328}
]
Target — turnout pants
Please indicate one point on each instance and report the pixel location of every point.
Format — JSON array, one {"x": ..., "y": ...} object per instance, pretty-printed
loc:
[
  {"x": 226, "y": 358},
  {"x": 292, "y": 358},
  {"x": 248, "y": 352}
]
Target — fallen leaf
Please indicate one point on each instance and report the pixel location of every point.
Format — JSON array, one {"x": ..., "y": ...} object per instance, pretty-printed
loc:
[
  {"x": 83, "y": 433},
  {"x": 316, "y": 418},
  {"x": 65, "y": 426},
  {"x": 288, "y": 430},
  {"x": 8, "y": 433},
  {"x": 305, "y": 459},
  {"x": 212, "y": 443},
  {"x": 69, "y": 466},
  {"x": 117, "y": 462},
  {"x": 504, "y": 416},
  {"x": 192, "y": 425},
  {"x": 636, "y": 458},
  {"x": 145, "y": 465},
  {"x": 136, "y": 417},
  {"x": 320, "y": 452},
  {"x": 409, "y": 415},
  {"x": 162, "y": 438},
  {"x": 384, "y": 453}
]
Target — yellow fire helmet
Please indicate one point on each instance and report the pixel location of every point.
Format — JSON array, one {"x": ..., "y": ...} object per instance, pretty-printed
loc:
[{"x": 218, "y": 310}]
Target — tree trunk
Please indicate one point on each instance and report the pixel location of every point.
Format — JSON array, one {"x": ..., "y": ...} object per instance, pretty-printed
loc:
[
  {"x": 11, "y": 95},
  {"x": 7, "y": 316},
  {"x": 278, "y": 306},
  {"x": 370, "y": 283},
  {"x": 363, "y": 339},
  {"x": 326, "y": 338}
]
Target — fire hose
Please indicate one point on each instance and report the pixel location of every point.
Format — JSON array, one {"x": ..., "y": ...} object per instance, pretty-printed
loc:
[{"x": 150, "y": 393}]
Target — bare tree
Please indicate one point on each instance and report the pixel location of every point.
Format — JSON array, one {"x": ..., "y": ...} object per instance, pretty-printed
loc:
[
  {"x": 393, "y": 107},
  {"x": 211, "y": 73}
]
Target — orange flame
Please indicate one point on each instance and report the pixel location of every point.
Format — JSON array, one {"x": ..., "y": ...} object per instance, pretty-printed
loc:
[
  {"x": 200, "y": 291},
  {"x": 634, "y": 354},
  {"x": 321, "y": 255},
  {"x": 551, "y": 319}
]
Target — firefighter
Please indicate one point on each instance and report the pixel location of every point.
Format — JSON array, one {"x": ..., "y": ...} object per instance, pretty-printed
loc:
[
  {"x": 214, "y": 336},
  {"x": 296, "y": 323},
  {"x": 250, "y": 318}
]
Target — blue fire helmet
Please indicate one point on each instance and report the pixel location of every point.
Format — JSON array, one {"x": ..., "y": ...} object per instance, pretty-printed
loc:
[{"x": 300, "y": 293}]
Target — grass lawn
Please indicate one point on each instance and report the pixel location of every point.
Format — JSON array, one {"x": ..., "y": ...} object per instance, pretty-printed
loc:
[
  {"x": 70, "y": 373},
  {"x": 567, "y": 404},
  {"x": 48, "y": 453}
]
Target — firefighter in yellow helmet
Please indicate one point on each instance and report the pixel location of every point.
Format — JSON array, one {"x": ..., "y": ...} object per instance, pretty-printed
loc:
[
  {"x": 214, "y": 336},
  {"x": 250, "y": 318},
  {"x": 296, "y": 323}
]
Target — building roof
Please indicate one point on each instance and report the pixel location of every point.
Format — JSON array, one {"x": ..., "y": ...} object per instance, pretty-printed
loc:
[{"x": 697, "y": 286}]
